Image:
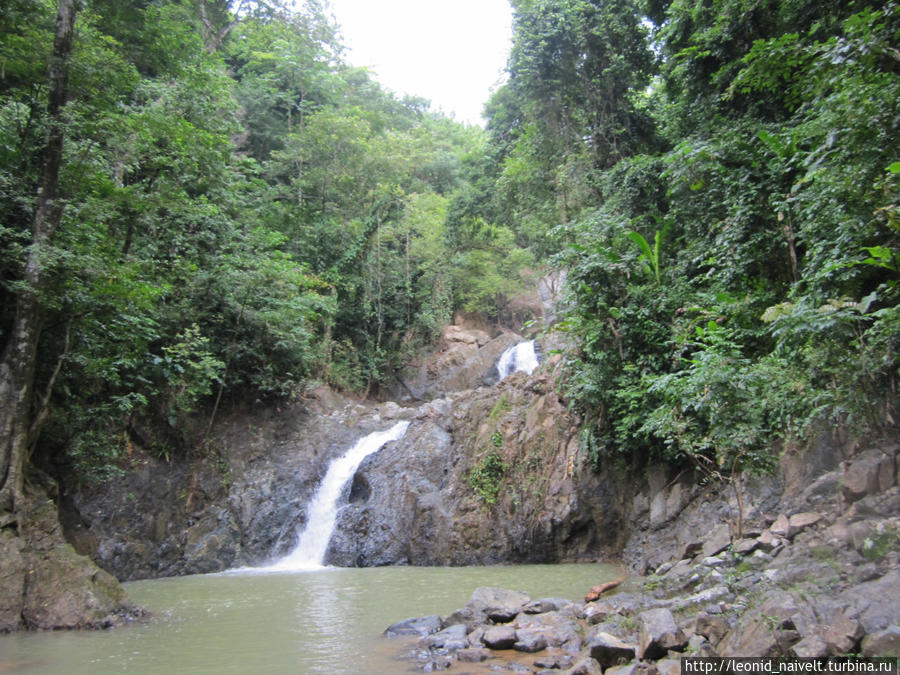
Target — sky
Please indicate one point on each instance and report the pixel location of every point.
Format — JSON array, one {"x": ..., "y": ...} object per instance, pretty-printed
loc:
[{"x": 452, "y": 52}]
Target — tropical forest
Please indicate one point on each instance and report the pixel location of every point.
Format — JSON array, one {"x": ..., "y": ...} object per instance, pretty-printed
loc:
[{"x": 228, "y": 254}]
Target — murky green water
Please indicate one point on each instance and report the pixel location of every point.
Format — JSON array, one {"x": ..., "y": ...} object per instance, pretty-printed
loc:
[{"x": 322, "y": 621}]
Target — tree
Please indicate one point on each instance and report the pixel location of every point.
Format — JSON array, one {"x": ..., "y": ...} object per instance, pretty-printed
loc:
[{"x": 21, "y": 416}]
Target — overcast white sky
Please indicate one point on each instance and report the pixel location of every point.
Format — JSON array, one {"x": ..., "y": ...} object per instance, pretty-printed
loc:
[{"x": 452, "y": 52}]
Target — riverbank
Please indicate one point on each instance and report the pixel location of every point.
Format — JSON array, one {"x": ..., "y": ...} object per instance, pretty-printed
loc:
[{"x": 780, "y": 593}]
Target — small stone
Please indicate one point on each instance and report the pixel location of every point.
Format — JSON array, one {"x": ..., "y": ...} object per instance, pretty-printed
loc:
[
  {"x": 663, "y": 569},
  {"x": 712, "y": 561},
  {"x": 473, "y": 655}
]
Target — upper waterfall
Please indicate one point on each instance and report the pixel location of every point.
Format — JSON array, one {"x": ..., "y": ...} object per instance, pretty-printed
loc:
[
  {"x": 520, "y": 358},
  {"x": 313, "y": 541}
]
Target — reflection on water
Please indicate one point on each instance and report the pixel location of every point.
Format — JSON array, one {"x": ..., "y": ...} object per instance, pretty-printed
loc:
[{"x": 320, "y": 621}]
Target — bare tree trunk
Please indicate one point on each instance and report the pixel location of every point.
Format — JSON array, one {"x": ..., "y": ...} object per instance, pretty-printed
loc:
[{"x": 19, "y": 360}]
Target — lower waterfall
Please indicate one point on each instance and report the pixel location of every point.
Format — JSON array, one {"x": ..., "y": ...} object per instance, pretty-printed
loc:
[{"x": 313, "y": 541}]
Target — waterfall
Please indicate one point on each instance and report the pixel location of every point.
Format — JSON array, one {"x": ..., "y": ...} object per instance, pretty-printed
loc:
[
  {"x": 313, "y": 541},
  {"x": 520, "y": 358}
]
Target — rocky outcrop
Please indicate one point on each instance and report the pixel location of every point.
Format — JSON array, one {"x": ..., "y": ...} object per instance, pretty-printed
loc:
[
  {"x": 46, "y": 585},
  {"x": 803, "y": 600},
  {"x": 465, "y": 359}
]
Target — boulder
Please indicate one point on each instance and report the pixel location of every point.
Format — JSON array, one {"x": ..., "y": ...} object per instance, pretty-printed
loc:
[
  {"x": 499, "y": 637},
  {"x": 529, "y": 641},
  {"x": 717, "y": 541},
  {"x": 450, "y": 639},
  {"x": 781, "y": 527},
  {"x": 546, "y": 605},
  {"x": 420, "y": 626},
  {"x": 607, "y": 649},
  {"x": 867, "y": 603},
  {"x": 497, "y": 604},
  {"x": 658, "y": 634},
  {"x": 882, "y": 643},
  {"x": 812, "y": 646},
  {"x": 800, "y": 521},
  {"x": 842, "y": 634},
  {"x": 554, "y": 661},
  {"x": 769, "y": 541},
  {"x": 869, "y": 473},
  {"x": 711, "y": 626}
]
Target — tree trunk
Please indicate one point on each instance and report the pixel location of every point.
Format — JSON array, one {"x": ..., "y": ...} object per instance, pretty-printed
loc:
[{"x": 19, "y": 360}]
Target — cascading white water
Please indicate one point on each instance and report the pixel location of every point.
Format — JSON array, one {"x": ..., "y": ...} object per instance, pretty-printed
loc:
[
  {"x": 313, "y": 541},
  {"x": 520, "y": 358}
]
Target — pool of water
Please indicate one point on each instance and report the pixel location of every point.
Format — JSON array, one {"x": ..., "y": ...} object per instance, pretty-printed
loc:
[{"x": 319, "y": 621}]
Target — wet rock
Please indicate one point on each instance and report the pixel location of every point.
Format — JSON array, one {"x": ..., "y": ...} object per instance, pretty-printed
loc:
[
  {"x": 546, "y": 605},
  {"x": 497, "y": 604},
  {"x": 473, "y": 655},
  {"x": 608, "y": 650},
  {"x": 421, "y": 626},
  {"x": 529, "y": 641},
  {"x": 450, "y": 639},
  {"x": 658, "y": 634},
  {"x": 499, "y": 637},
  {"x": 554, "y": 661}
]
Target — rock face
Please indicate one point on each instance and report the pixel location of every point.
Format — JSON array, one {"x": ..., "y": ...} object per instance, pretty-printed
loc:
[{"x": 46, "y": 585}]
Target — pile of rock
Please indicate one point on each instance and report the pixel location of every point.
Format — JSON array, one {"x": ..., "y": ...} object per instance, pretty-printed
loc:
[{"x": 796, "y": 587}]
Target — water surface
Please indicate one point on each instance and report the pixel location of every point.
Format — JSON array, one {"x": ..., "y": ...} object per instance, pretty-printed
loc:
[{"x": 319, "y": 621}]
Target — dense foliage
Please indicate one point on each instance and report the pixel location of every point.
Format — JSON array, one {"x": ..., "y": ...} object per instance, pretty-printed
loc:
[
  {"x": 236, "y": 213},
  {"x": 720, "y": 178},
  {"x": 241, "y": 214}
]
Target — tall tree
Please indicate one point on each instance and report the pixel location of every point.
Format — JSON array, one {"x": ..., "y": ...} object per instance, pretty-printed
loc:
[{"x": 20, "y": 415}]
